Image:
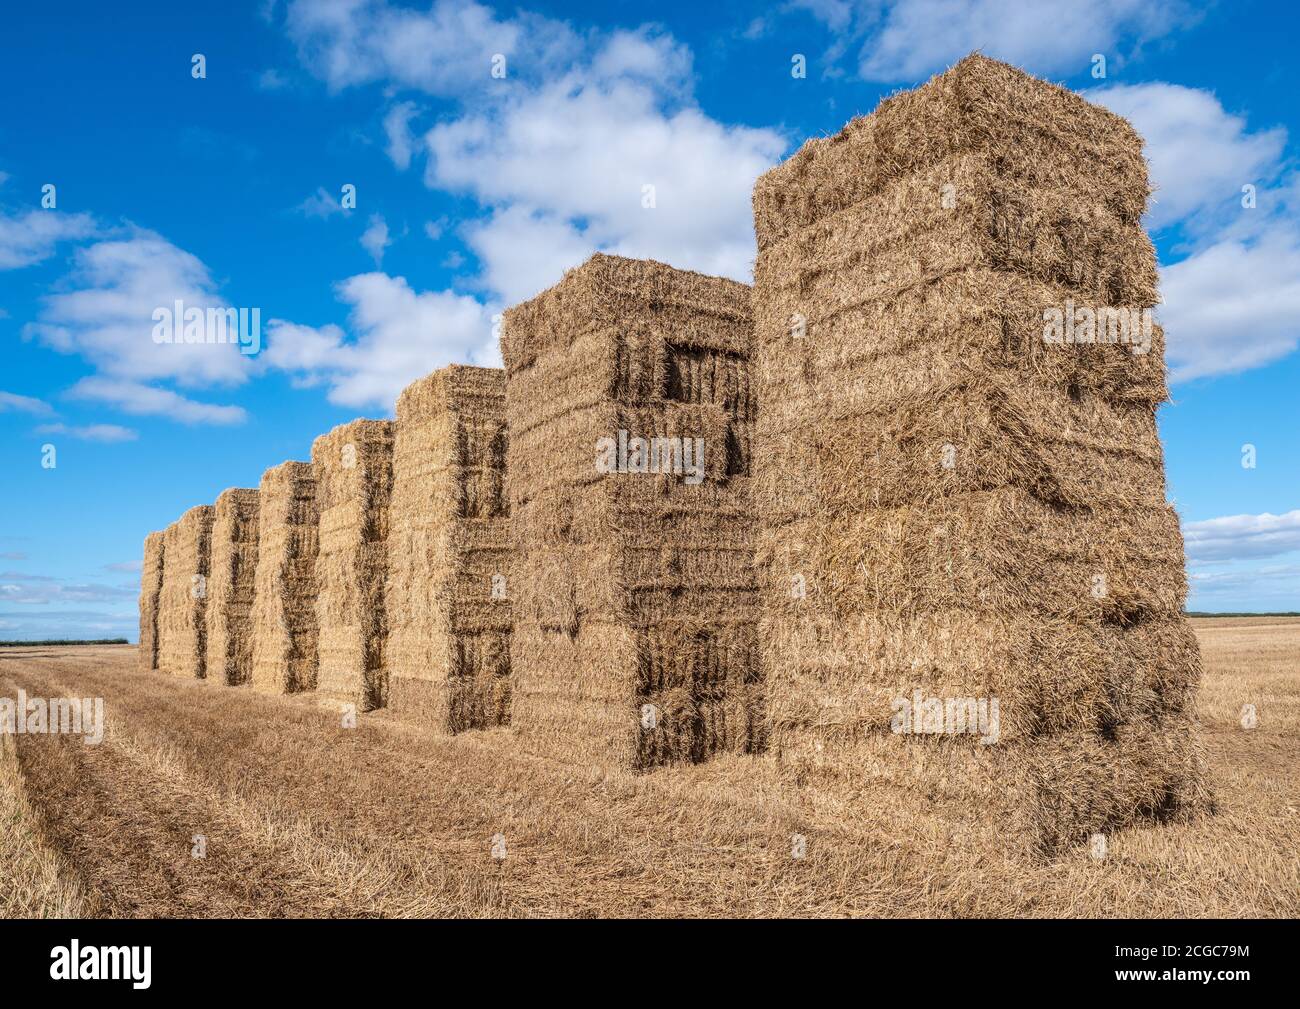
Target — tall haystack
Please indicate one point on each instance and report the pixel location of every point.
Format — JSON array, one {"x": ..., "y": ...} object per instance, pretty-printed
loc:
[
  {"x": 449, "y": 588},
  {"x": 151, "y": 577},
  {"x": 284, "y": 603},
  {"x": 354, "y": 475},
  {"x": 230, "y": 586},
  {"x": 182, "y": 605},
  {"x": 961, "y": 502},
  {"x": 631, "y": 415}
]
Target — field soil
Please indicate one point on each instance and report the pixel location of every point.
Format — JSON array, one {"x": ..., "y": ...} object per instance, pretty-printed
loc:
[{"x": 204, "y": 800}]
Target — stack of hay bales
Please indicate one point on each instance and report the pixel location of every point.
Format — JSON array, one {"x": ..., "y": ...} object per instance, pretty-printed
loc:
[
  {"x": 230, "y": 587},
  {"x": 448, "y": 589},
  {"x": 955, "y": 509},
  {"x": 151, "y": 577},
  {"x": 354, "y": 472},
  {"x": 182, "y": 602},
  {"x": 635, "y": 598},
  {"x": 284, "y": 607}
]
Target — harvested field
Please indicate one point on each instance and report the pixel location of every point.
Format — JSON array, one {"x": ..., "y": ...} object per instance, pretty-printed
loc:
[
  {"x": 182, "y": 604},
  {"x": 964, "y": 539},
  {"x": 630, "y": 411},
  {"x": 151, "y": 579},
  {"x": 284, "y": 606},
  {"x": 303, "y": 817},
  {"x": 448, "y": 589},
  {"x": 354, "y": 475},
  {"x": 230, "y": 587}
]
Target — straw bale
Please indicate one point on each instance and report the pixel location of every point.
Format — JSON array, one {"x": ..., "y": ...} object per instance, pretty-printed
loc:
[
  {"x": 635, "y": 640},
  {"x": 151, "y": 579},
  {"x": 284, "y": 608},
  {"x": 449, "y": 547},
  {"x": 974, "y": 322},
  {"x": 1031, "y": 132},
  {"x": 231, "y": 586},
  {"x": 354, "y": 475},
  {"x": 182, "y": 648},
  {"x": 961, "y": 214},
  {"x": 954, "y": 506}
]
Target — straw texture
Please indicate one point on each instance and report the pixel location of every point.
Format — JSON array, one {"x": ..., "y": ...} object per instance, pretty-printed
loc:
[
  {"x": 448, "y": 589},
  {"x": 231, "y": 587},
  {"x": 182, "y": 631},
  {"x": 151, "y": 577},
  {"x": 953, "y": 508},
  {"x": 284, "y": 607},
  {"x": 354, "y": 472},
  {"x": 636, "y": 608}
]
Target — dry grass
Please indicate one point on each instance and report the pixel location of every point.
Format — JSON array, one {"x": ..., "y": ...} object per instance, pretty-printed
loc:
[{"x": 304, "y": 817}]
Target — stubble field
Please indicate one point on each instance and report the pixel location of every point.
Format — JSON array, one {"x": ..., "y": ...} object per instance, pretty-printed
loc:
[{"x": 297, "y": 815}]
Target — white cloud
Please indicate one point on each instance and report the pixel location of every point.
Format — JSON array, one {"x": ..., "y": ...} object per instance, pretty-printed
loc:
[
  {"x": 25, "y": 404},
  {"x": 397, "y": 128},
  {"x": 910, "y": 39},
  {"x": 375, "y": 238},
  {"x": 107, "y": 315},
  {"x": 1234, "y": 537},
  {"x": 1200, "y": 155},
  {"x": 1233, "y": 300},
  {"x": 400, "y": 335},
  {"x": 508, "y": 245},
  {"x": 1232, "y": 306},
  {"x": 445, "y": 50},
  {"x": 146, "y": 400},
  {"x": 91, "y": 432},
  {"x": 567, "y": 167},
  {"x": 32, "y": 237}
]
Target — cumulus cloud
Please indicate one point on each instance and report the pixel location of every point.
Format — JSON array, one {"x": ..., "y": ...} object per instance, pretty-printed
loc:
[
  {"x": 106, "y": 315},
  {"x": 91, "y": 432},
  {"x": 26, "y": 239},
  {"x": 612, "y": 157},
  {"x": 1232, "y": 306},
  {"x": 1233, "y": 297},
  {"x": 399, "y": 335},
  {"x": 1200, "y": 154}
]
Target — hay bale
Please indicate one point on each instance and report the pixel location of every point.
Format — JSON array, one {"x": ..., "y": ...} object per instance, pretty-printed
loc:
[
  {"x": 231, "y": 586},
  {"x": 954, "y": 510},
  {"x": 151, "y": 577},
  {"x": 354, "y": 475},
  {"x": 636, "y": 605},
  {"x": 448, "y": 652},
  {"x": 182, "y": 605},
  {"x": 284, "y": 604}
]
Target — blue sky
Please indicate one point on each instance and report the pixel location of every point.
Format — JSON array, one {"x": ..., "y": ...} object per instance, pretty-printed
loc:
[{"x": 474, "y": 192}]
